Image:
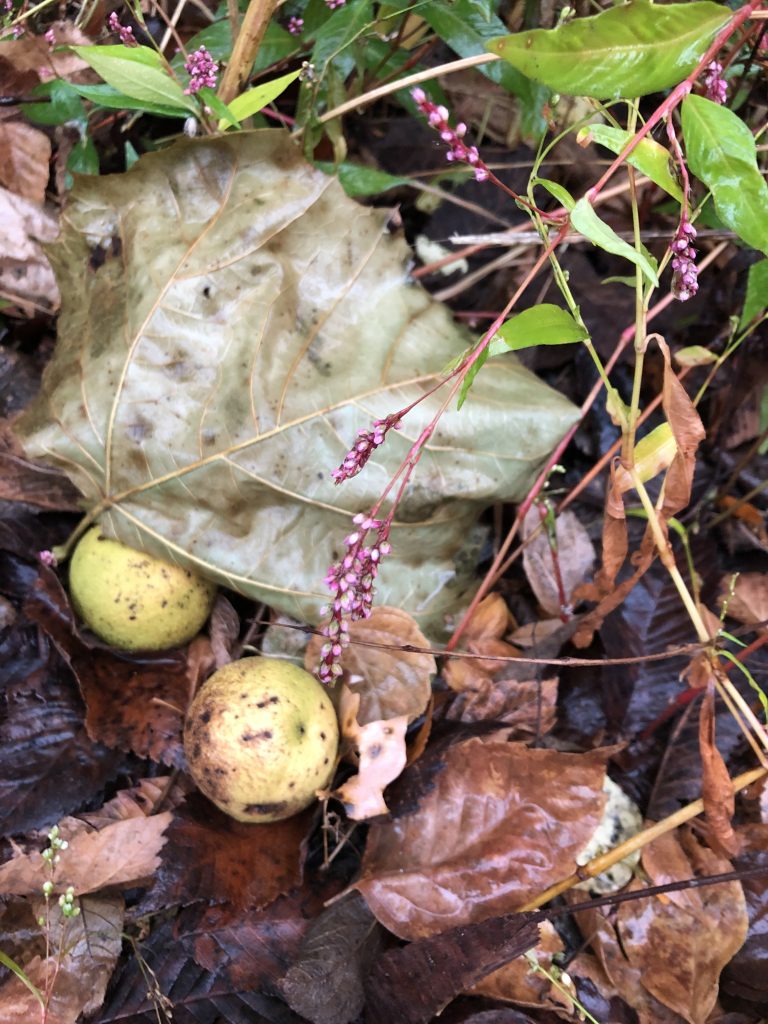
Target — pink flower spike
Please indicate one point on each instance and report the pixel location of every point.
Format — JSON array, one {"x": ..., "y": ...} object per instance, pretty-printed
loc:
[
  {"x": 437, "y": 118},
  {"x": 124, "y": 31},
  {"x": 295, "y": 25},
  {"x": 202, "y": 70}
]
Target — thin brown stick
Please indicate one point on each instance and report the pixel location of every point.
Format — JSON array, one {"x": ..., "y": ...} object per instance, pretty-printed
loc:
[{"x": 247, "y": 44}]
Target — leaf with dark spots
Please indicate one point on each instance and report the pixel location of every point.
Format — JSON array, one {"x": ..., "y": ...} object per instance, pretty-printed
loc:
[
  {"x": 209, "y": 856},
  {"x": 325, "y": 983},
  {"x": 136, "y": 703},
  {"x": 413, "y": 984},
  {"x": 48, "y": 765},
  {"x": 196, "y": 995}
]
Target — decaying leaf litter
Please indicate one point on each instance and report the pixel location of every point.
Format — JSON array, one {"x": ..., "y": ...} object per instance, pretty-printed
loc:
[{"x": 213, "y": 363}]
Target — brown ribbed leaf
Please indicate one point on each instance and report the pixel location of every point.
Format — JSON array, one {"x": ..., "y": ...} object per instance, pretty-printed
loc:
[{"x": 218, "y": 351}]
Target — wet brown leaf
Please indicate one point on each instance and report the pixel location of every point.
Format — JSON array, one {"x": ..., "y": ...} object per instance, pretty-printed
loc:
[
  {"x": 390, "y": 683},
  {"x": 122, "y": 855},
  {"x": 325, "y": 984},
  {"x": 210, "y": 856},
  {"x": 91, "y": 945},
  {"x": 552, "y": 582},
  {"x": 501, "y": 824},
  {"x": 413, "y": 984},
  {"x": 26, "y": 277},
  {"x": 30, "y": 53},
  {"x": 379, "y": 750},
  {"x": 515, "y": 982},
  {"x": 22, "y": 480},
  {"x": 490, "y": 623},
  {"x": 671, "y": 950},
  {"x": 224, "y": 629},
  {"x": 746, "y": 976},
  {"x": 25, "y": 154},
  {"x": 529, "y": 707},
  {"x": 689, "y": 433},
  {"x": 133, "y": 703}
]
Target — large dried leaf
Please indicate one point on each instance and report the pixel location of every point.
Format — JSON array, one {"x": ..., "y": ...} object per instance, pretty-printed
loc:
[
  {"x": 553, "y": 582},
  {"x": 26, "y": 276},
  {"x": 215, "y": 363},
  {"x": 24, "y": 156},
  {"x": 501, "y": 824}
]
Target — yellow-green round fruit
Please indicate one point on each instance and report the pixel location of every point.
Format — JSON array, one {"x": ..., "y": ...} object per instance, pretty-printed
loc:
[
  {"x": 261, "y": 737},
  {"x": 135, "y": 601}
]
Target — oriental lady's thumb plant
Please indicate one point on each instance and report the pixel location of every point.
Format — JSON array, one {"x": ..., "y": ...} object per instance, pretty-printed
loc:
[{"x": 696, "y": 55}]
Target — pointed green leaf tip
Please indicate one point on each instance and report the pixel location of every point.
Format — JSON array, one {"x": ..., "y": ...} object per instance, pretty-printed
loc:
[{"x": 631, "y": 50}]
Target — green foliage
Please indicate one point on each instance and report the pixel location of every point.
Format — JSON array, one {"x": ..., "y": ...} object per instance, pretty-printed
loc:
[
  {"x": 756, "y": 299},
  {"x": 542, "y": 325},
  {"x": 253, "y": 100},
  {"x": 585, "y": 220},
  {"x": 721, "y": 152},
  {"x": 629, "y": 50},
  {"x": 649, "y": 157},
  {"x": 138, "y": 72}
]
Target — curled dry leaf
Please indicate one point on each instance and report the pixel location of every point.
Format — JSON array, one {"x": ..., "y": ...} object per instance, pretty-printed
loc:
[
  {"x": 554, "y": 576},
  {"x": 90, "y": 945},
  {"x": 484, "y": 635},
  {"x": 716, "y": 787},
  {"x": 501, "y": 823},
  {"x": 26, "y": 276},
  {"x": 390, "y": 682},
  {"x": 25, "y": 154},
  {"x": 379, "y": 748}
]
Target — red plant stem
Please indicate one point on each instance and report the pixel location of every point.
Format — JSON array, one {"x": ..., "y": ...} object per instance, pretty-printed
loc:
[{"x": 678, "y": 94}]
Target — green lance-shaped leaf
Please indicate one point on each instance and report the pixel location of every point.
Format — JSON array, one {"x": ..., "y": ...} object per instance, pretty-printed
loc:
[
  {"x": 756, "y": 299},
  {"x": 585, "y": 220},
  {"x": 217, "y": 354},
  {"x": 138, "y": 72},
  {"x": 649, "y": 157},
  {"x": 721, "y": 152},
  {"x": 254, "y": 100},
  {"x": 542, "y": 325},
  {"x": 630, "y": 50}
]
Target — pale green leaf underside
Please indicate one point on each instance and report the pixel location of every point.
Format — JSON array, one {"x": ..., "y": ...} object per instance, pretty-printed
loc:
[
  {"x": 221, "y": 343},
  {"x": 648, "y": 156}
]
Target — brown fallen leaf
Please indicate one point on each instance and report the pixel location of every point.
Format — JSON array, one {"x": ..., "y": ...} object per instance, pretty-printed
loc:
[
  {"x": 379, "y": 750},
  {"x": 132, "y": 703},
  {"x": 30, "y": 53},
  {"x": 325, "y": 984},
  {"x": 517, "y": 983},
  {"x": 745, "y": 976},
  {"x": 25, "y": 153},
  {"x": 501, "y": 823},
  {"x": 90, "y": 946},
  {"x": 529, "y": 707},
  {"x": 484, "y": 635},
  {"x": 26, "y": 277},
  {"x": 552, "y": 582},
  {"x": 22, "y": 480},
  {"x": 210, "y": 856},
  {"x": 716, "y": 787},
  {"x": 414, "y": 984},
  {"x": 671, "y": 951},
  {"x": 746, "y": 598},
  {"x": 390, "y": 682},
  {"x": 122, "y": 855}
]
